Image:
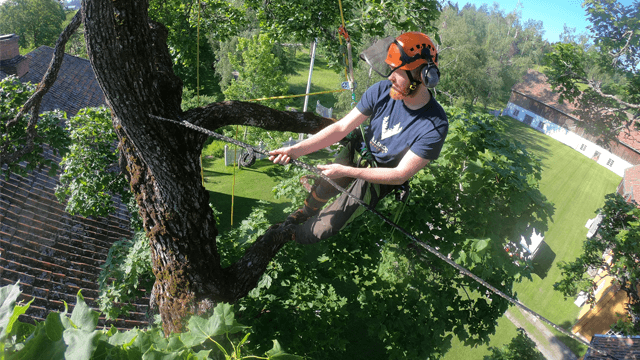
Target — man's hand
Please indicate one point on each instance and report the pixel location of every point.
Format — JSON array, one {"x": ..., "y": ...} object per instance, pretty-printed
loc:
[
  {"x": 282, "y": 156},
  {"x": 335, "y": 171}
]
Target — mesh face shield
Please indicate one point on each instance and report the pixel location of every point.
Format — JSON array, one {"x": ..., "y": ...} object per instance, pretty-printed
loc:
[{"x": 376, "y": 55}]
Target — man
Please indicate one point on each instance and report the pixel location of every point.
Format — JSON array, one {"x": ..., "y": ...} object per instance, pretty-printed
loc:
[{"x": 406, "y": 131}]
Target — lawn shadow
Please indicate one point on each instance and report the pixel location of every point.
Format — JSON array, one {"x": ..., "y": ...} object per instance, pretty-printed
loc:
[
  {"x": 576, "y": 347},
  {"x": 242, "y": 208},
  {"x": 543, "y": 260},
  {"x": 522, "y": 134}
]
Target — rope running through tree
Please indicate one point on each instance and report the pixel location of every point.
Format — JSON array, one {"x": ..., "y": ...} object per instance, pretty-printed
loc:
[{"x": 251, "y": 149}]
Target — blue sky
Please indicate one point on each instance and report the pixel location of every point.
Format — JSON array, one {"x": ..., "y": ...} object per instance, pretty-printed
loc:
[{"x": 553, "y": 14}]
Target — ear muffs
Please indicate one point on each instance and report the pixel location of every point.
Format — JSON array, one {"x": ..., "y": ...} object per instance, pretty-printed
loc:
[{"x": 430, "y": 76}]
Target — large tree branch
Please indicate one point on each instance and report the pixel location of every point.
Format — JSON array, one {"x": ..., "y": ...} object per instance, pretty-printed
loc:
[
  {"x": 244, "y": 113},
  {"x": 596, "y": 87}
]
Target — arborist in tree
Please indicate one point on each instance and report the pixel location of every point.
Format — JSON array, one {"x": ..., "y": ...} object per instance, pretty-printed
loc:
[{"x": 406, "y": 131}]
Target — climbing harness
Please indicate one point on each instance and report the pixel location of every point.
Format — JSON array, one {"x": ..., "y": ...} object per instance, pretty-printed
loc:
[{"x": 251, "y": 149}]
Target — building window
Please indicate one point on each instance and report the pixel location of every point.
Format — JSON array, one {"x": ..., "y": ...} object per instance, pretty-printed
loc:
[
  {"x": 610, "y": 163},
  {"x": 528, "y": 119},
  {"x": 516, "y": 112},
  {"x": 596, "y": 156},
  {"x": 583, "y": 147},
  {"x": 541, "y": 125}
]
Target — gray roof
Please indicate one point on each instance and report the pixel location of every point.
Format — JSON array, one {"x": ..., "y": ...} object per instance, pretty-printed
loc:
[
  {"x": 621, "y": 347},
  {"x": 75, "y": 88}
]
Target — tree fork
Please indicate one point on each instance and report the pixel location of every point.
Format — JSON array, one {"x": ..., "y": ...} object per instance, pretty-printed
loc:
[{"x": 131, "y": 61}]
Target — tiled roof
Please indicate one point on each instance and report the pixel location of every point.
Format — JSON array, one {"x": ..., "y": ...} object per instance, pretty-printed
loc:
[
  {"x": 630, "y": 189},
  {"x": 54, "y": 254},
  {"x": 75, "y": 88},
  {"x": 535, "y": 85},
  {"x": 620, "y": 347}
]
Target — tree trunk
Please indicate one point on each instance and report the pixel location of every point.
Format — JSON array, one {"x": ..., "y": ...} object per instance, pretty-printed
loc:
[{"x": 131, "y": 61}]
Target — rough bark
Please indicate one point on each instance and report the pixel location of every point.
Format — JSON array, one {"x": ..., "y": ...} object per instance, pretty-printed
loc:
[{"x": 130, "y": 58}]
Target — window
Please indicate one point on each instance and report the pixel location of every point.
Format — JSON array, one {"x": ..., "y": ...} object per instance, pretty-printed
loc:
[
  {"x": 583, "y": 147},
  {"x": 540, "y": 125},
  {"x": 516, "y": 112},
  {"x": 596, "y": 156},
  {"x": 528, "y": 119},
  {"x": 610, "y": 162}
]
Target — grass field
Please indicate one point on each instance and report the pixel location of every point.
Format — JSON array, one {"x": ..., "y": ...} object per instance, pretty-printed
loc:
[
  {"x": 322, "y": 79},
  {"x": 576, "y": 185}
]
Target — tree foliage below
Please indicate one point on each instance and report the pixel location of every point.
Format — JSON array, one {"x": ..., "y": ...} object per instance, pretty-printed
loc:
[
  {"x": 614, "y": 251},
  {"x": 521, "y": 347},
  {"x": 369, "y": 292}
]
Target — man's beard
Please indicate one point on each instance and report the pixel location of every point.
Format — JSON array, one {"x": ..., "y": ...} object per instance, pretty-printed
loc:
[{"x": 399, "y": 94}]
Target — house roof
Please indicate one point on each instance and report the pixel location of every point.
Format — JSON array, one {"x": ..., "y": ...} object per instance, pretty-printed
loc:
[
  {"x": 52, "y": 253},
  {"x": 621, "y": 347},
  {"x": 535, "y": 85},
  {"x": 3, "y": 75},
  {"x": 630, "y": 188},
  {"x": 75, "y": 88}
]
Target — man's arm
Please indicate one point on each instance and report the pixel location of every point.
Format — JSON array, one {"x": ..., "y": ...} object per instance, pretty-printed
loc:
[
  {"x": 327, "y": 136},
  {"x": 408, "y": 166}
]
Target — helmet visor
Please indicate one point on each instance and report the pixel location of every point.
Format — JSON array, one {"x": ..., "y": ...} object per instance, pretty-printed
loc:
[{"x": 376, "y": 55}]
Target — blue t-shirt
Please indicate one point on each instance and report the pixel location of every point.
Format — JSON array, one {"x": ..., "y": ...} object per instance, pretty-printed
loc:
[{"x": 395, "y": 128}]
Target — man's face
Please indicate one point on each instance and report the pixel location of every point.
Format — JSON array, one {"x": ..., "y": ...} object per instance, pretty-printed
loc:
[{"x": 400, "y": 85}]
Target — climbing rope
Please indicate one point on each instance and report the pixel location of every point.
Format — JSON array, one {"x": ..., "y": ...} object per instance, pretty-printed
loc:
[{"x": 252, "y": 150}]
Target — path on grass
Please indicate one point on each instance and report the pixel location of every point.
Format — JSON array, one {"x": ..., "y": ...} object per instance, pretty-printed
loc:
[{"x": 546, "y": 342}]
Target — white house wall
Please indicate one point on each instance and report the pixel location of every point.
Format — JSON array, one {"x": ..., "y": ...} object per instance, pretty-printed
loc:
[{"x": 584, "y": 146}]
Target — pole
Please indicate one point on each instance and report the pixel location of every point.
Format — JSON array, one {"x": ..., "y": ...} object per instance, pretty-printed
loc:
[{"x": 306, "y": 98}]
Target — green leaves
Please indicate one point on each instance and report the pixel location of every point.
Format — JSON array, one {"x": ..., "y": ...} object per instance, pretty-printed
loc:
[
  {"x": 37, "y": 22},
  {"x": 614, "y": 251},
  {"x": 125, "y": 276},
  {"x": 91, "y": 174},
  {"x": 220, "y": 323},
  {"x": 76, "y": 337},
  {"x": 15, "y": 140}
]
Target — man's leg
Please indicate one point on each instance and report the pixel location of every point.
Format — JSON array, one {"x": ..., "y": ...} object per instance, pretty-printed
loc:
[
  {"x": 338, "y": 214},
  {"x": 322, "y": 191}
]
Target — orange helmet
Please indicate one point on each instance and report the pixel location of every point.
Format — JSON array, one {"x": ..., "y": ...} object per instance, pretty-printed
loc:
[{"x": 410, "y": 50}]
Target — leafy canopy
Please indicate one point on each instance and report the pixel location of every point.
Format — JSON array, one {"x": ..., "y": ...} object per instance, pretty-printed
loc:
[
  {"x": 37, "y": 22},
  {"x": 614, "y": 251},
  {"x": 603, "y": 80}
]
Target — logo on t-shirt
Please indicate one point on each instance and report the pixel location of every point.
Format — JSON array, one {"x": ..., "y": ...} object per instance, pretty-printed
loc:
[{"x": 386, "y": 132}]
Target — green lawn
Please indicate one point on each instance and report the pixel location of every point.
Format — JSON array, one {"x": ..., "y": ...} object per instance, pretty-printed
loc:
[
  {"x": 576, "y": 185},
  {"x": 251, "y": 185},
  {"x": 322, "y": 79}
]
